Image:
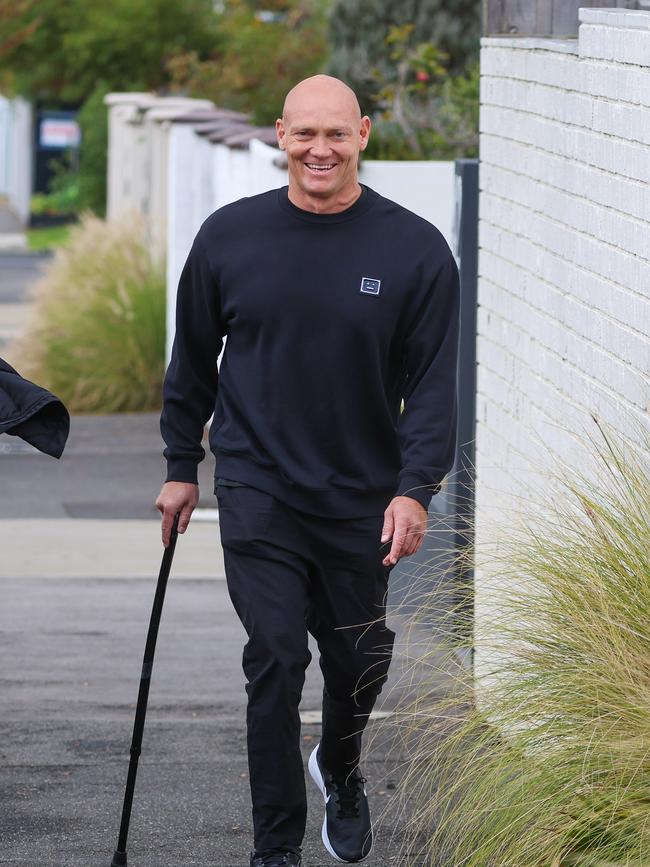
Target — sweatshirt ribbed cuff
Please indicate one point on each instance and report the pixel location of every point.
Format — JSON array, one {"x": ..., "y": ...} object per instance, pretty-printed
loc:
[
  {"x": 412, "y": 486},
  {"x": 182, "y": 470}
]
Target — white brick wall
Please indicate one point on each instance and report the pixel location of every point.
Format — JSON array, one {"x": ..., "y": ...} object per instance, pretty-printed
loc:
[{"x": 564, "y": 263}]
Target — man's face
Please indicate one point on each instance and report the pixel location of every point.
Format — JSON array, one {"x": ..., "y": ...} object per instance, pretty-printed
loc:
[{"x": 323, "y": 137}]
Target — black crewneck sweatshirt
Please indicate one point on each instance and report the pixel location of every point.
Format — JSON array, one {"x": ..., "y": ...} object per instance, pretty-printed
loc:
[{"x": 330, "y": 321}]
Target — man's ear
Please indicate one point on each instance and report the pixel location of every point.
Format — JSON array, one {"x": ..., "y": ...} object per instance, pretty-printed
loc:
[
  {"x": 364, "y": 132},
  {"x": 280, "y": 132}
]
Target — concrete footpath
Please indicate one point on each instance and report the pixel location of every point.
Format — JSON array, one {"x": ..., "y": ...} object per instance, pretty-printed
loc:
[
  {"x": 18, "y": 273},
  {"x": 79, "y": 556}
]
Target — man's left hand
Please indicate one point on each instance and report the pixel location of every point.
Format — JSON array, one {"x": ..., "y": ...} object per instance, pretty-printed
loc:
[{"x": 405, "y": 520}]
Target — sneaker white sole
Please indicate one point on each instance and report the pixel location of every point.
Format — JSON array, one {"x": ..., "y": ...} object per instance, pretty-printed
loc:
[{"x": 317, "y": 777}]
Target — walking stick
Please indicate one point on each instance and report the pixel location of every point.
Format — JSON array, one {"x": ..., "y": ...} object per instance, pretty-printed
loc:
[{"x": 119, "y": 858}]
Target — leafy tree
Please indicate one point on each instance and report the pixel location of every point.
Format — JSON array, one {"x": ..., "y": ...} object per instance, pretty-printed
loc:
[
  {"x": 359, "y": 29},
  {"x": 75, "y": 52},
  {"x": 59, "y": 51},
  {"x": 263, "y": 54},
  {"x": 15, "y": 26}
]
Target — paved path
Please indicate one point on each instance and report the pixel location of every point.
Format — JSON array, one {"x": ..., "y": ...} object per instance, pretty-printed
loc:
[
  {"x": 71, "y": 654},
  {"x": 91, "y": 513},
  {"x": 18, "y": 272},
  {"x": 80, "y": 554},
  {"x": 12, "y": 233}
]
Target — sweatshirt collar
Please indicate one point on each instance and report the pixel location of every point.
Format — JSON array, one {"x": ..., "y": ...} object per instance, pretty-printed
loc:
[{"x": 360, "y": 206}]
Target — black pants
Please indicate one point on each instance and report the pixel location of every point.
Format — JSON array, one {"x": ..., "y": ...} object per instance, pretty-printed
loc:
[{"x": 289, "y": 573}]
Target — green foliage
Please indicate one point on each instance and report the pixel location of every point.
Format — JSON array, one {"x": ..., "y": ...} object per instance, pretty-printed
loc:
[
  {"x": 61, "y": 202},
  {"x": 75, "y": 52},
  {"x": 359, "y": 30},
  {"x": 63, "y": 197},
  {"x": 47, "y": 237},
  {"x": 260, "y": 59},
  {"x": 59, "y": 51},
  {"x": 97, "y": 338},
  {"x": 423, "y": 112},
  {"x": 93, "y": 120},
  {"x": 414, "y": 66},
  {"x": 550, "y": 767}
]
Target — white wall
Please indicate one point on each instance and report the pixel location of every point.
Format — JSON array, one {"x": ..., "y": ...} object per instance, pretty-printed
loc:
[
  {"x": 564, "y": 260},
  {"x": 16, "y": 154},
  {"x": 425, "y": 187},
  {"x": 127, "y": 153},
  {"x": 264, "y": 174},
  {"x": 138, "y": 126},
  {"x": 190, "y": 198}
]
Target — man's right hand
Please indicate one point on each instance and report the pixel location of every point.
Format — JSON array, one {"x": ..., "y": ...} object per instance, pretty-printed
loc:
[{"x": 175, "y": 497}]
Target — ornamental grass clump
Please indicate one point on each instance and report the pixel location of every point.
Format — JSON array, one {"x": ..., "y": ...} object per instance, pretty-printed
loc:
[
  {"x": 543, "y": 758},
  {"x": 97, "y": 334}
]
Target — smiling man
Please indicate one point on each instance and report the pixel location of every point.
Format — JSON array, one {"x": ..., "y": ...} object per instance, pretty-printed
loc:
[
  {"x": 337, "y": 306},
  {"x": 322, "y": 131}
]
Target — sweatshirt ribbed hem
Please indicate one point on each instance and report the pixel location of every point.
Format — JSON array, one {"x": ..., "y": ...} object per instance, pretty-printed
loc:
[
  {"x": 182, "y": 470},
  {"x": 332, "y": 503}
]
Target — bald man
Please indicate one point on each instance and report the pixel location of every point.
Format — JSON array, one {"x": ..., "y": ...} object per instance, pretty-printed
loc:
[{"x": 334, "y": 424}]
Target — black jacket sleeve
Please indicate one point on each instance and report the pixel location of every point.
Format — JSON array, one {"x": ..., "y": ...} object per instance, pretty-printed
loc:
[
  {"x": 31, "y": 412},
  {"x": 428, "y": 425},
  {"x": 191, "y": 380}
]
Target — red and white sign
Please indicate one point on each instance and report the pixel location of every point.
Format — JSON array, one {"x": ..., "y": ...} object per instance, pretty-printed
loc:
[{"x": 59, "y": 132}]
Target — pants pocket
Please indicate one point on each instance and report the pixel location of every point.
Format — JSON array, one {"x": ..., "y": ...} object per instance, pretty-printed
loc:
[{"x": 244, "y": 515}]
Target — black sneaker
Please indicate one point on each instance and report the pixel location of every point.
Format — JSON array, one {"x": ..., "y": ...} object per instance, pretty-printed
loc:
[
  {"x": 276, "y": 858},
  {"x": 347, "y": 831}
]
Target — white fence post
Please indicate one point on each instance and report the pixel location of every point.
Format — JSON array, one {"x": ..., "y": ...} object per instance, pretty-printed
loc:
[{"x": 16, "y": 152}]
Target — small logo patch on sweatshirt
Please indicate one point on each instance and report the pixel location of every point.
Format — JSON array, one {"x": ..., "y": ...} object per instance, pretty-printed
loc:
[{"x": 370, "y": 285}]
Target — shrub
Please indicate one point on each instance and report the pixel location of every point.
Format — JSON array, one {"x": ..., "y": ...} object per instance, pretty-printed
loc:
[
  {"x": 423, "y": 111},
  {"x": 97, "y": 335},
  {"x": 359, "y": 29},
  {"x": 93, "y": 153},
  {"x": 550, "y": 767},
  {"x": 62, "y": 200}
]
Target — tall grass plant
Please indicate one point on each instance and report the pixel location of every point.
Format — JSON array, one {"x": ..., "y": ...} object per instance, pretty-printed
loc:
[
  {"x": 545, "y": 760},
  {"x": 97, "y": 334}
]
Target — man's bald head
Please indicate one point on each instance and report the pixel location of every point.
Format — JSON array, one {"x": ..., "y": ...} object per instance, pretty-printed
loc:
[
  {"x": 323, "y": 133},
  {"x": 321, "y": 90}
]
